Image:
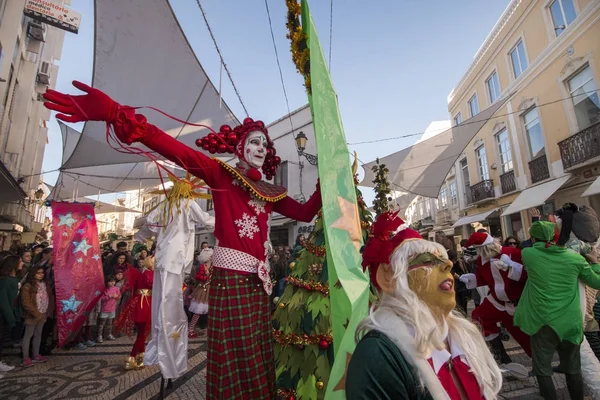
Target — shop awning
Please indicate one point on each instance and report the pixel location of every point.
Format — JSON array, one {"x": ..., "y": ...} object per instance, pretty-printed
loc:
[
  {"x": 9, "y": 187},
  {"x": 593, "y": 189},
  {"x": 536, "y": 195},
  {"x": 280, "y": 221},
  {"x": 469, "y": 219}
]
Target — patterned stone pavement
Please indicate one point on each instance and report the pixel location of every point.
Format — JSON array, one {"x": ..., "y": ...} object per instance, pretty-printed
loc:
[{"x": 97, "y": 373}]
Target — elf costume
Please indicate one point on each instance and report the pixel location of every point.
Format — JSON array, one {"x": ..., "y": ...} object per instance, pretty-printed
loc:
[
  {"x": 549, "y": 309},
  {"x": 240, "y": 345},
  {"x": 412, "y": 345}
]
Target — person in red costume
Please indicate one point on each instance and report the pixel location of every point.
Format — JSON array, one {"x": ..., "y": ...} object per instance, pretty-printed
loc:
[
  {"x": 501, "y": 269},
  {"x": 137, "y": 311},
  {"x": 240, "y": 346}
]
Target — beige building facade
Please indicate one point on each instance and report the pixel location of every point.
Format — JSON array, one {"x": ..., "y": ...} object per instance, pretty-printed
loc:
[
  {"x": 542, "y": 147},
  {"x": 29, "y": 50}
]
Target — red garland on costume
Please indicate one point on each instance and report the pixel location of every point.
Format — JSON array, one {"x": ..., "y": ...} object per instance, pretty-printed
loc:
[
  {"x": 232, "y": 141},
  {"x": 310, "y": 285}
]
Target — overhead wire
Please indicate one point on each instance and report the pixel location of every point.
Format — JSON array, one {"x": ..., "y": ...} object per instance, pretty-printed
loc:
[
  {"x": 472, "y": 122},
  {"x": 221, "y": 56}
]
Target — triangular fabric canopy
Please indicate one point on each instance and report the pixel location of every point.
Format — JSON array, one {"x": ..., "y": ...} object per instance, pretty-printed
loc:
[
  {"x": 128, "y": 67},
  {"x": 100, "y": 207},
  {"x": 422, "y": 168}
]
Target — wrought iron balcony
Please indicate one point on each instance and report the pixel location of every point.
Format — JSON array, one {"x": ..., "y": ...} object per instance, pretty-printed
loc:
[
  {"x": 508, "y": 182},
  {"x": 581, "y": 147},
  {"x": 539, "y": 169},
  {"x": 482, "y": 191}
]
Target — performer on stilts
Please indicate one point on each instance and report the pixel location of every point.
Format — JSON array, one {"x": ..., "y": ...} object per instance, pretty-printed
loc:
[
  {"x": 137, "y": 311},
  {"x": 240, "y": 345}
]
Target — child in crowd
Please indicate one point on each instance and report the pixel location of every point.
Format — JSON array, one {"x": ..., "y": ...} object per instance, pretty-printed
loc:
[
  {"x": 37, "y": 302},
  {"x": 109, "y": 300},
  {"x": 199, "y": 299}
]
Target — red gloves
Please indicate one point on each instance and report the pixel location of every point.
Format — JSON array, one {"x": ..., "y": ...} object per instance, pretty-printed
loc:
[{"x": 93, "y": 106}]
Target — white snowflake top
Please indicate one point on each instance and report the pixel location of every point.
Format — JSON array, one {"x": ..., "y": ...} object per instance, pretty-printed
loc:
[
  {"x": 257, "y": 205},
  {"x": 247, "y": 226}
]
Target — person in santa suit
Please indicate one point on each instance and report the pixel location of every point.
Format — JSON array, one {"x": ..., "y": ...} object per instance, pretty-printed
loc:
[
  {"x": 240, "y": 345},
  {"x": 414, "y": 345},
  {"x": 137, "y": 312},
  {"x": 501, "y": 269}
]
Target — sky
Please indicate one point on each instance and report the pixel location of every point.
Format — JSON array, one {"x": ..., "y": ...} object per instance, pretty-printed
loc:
[{"x": 393, "y": 64}]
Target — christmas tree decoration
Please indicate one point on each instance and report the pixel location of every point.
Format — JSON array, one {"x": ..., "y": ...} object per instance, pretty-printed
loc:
[
  {"x": 383, "y": 199},
  {"x": 304, "y": 351}
]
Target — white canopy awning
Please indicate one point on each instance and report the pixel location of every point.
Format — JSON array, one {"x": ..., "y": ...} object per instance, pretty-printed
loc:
[
  {"x": 128, "y": 68},
  {"x": 536, "y": 195},
  {"x": 422, "y": 168},
  {"x": 593, "y": 189},
  {"x": 280, "y": 221},
  {"x": 469, "y": 219}
]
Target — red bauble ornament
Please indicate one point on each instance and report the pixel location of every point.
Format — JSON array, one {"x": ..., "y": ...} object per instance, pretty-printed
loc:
[
  {"x": 222, "y": 148},
  {"x": 300, "y": 347},
  {"x": 323, "y": 344},
  {"x": 269, "y": 151},
  {"x": 248, "y": 121},
  {"x": 254, "y": 174},
  {"x": 205, "y": 146},
  {"x": 225, "y": 128},
  {"x": 221, "y": 137},
  {"x": 277, "y": 160},
  {"x": 233, "y": 137},
  {"x": 198, "y": 142},
  {"x": 291, "y": 398}
]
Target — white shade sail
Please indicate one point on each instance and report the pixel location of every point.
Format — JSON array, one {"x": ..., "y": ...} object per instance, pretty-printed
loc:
[
  {"x": 593, "y": 189},
  {"x": 536, "y": 195},
  {"x": 469, "y": 219},
  {"x": 422, "y": 168},
  {"x": 128, "y": 68}
]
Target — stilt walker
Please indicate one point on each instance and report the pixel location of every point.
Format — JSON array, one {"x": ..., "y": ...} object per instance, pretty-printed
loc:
[{"x": 240, "y": 344}]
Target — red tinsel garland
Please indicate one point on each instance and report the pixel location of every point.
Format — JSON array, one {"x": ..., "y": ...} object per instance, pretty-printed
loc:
[
  {"x": 285, "y": 339},
  {"x": 312, "y": 286}
]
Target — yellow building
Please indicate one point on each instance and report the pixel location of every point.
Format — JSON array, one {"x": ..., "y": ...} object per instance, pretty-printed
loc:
[{"x": 542, "y": 147}]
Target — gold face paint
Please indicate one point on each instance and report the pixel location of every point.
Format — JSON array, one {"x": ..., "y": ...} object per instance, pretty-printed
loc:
[{"x": 430, "y": 278}]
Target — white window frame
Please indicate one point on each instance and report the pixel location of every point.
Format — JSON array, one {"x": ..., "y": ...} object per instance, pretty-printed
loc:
[
  {"x": 510, "y": 161},
  {"x": 487, "y": 86},
  {"x": 443, "y": 198},
  {"x": 569, "y": 72},
  {"x": 458, "y": 118},
  {"x": 552, "y": 28},
  {"x": 592, "y": 79},
  {"x": 519, "y": 41},
  {"x": 453, "y": 193},
  {"x": 476, "y": 98},
  {"x": 482, "y": 176},
  {"x": 526, "y": 134}
]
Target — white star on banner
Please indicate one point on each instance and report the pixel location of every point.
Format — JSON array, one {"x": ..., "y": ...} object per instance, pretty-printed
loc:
[
  {"x": 66, "y": 219},
  {"x": 81, "y": 246},
  {"x": 96, "y": 257}
]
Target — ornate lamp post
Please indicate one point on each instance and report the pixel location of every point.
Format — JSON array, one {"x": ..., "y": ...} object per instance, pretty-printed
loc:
[{"x": 301, "y": 140}]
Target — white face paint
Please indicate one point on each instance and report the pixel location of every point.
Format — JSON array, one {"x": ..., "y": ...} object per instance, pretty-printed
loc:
[{"x": 255, "y": 149}]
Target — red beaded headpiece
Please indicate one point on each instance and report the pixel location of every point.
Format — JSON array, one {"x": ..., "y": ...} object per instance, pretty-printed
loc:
[{"x": 232, "y": 141}]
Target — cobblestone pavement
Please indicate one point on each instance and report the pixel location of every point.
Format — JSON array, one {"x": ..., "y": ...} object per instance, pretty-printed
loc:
[{"x": 97, "y": 373}]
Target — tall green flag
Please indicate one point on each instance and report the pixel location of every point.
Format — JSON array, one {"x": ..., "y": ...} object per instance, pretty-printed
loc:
[{"x": 348, "y": 284}]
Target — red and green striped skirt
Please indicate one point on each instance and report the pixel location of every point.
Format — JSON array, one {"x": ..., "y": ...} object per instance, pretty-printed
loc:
[{"x": 240, "y": 343}]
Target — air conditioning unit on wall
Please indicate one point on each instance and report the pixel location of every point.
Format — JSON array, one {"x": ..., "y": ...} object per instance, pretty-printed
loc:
[
  {"x": 36, "y": 31},
  {"x": 43, "y": 76}
]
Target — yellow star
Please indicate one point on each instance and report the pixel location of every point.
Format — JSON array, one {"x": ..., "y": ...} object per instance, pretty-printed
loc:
[
  {"x": 175, "y": 335},
  {"x": 349, "y": 221},
  {"x": 341, "y": 385}
]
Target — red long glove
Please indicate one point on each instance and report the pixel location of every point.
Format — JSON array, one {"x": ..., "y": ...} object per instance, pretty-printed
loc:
[{"x": 93, "y": 106}]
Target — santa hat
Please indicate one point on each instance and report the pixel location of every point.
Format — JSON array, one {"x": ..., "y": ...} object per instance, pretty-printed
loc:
[
  {"x": 479, "y": 239},
  {"x": 386, "y": 234},
  {"x": 232, "y": 141}
]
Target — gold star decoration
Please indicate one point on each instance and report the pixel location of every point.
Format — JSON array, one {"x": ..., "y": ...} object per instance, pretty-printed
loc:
[
  {"x": 341, "y": 385},
  {"x": 175, "y": 335},
  {"x": 349, "y": 221}
]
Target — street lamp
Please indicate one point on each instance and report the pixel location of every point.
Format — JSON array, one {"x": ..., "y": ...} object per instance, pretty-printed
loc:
[{"x": 301, "y": 140}]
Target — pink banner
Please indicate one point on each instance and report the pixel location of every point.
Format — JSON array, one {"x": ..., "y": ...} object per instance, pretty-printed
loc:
[{"x": 78, "y": 272}]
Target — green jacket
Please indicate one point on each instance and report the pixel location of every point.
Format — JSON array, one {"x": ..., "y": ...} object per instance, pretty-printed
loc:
[
  {"x": 379, "y": 371},
  {"x": 551, "y": 294},
  {"x": 10, "y": 306}
]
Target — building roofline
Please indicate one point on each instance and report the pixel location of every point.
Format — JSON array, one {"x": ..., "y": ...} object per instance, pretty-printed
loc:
[
  {"x": 485, "y": 46},
  {"x": 286, "y": 116}
]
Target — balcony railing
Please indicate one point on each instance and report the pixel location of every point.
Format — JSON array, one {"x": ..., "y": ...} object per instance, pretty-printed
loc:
[
  {"x": 580, "y": 147},
  {"x": 508, "y": 182},
  {"x": 17, "y": 213},
  {"x": 482, "y": 190},
  {"x": 539, "y": 169}
]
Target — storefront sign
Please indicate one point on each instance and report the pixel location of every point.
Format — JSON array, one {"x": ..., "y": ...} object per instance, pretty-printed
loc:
[{"x": 53, "y": 13}]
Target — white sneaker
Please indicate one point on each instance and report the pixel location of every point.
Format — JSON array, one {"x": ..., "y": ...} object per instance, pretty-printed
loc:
[{"x": 5, "y": 368}]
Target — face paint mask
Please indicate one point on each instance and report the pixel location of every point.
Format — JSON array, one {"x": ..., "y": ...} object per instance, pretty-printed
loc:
[
  {"x": 429, "y": 276},
  {"x": 255, "y": 149}
]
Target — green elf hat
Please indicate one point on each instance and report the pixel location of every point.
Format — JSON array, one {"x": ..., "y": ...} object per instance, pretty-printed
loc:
[{"x": 542, "y": 230}]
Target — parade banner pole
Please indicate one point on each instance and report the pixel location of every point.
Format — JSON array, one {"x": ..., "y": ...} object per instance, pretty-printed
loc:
[{"x": 348, "y": 284}]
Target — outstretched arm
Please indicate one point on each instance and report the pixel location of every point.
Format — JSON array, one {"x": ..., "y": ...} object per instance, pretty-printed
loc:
[
  {"x": 130, "y": 127},
  {"x": 300, "y": 212}
]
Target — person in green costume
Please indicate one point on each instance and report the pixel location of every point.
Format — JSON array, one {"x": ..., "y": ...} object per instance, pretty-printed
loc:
[{"x": 549, "y": 305}]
